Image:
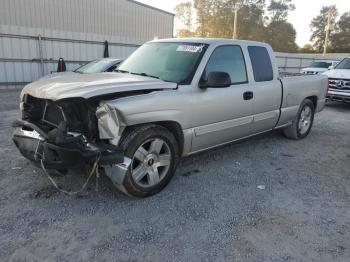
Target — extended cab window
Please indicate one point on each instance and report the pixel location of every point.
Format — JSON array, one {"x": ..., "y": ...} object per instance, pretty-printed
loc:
[
  {"x": 261, "y": 63},
  {"x": 227, "y": 59}
]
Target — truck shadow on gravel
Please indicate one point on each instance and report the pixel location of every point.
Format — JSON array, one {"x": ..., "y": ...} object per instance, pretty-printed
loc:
[
  {"x": 188, "y": 167},
  {"x": 338, "y": 106}
]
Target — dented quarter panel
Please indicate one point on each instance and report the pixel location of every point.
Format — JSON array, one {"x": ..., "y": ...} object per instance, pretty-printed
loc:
[{"x": 307, "y": 86}]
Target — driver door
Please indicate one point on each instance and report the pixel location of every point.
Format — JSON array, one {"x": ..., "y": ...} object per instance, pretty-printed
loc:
[{"x": 221, "y": 115}]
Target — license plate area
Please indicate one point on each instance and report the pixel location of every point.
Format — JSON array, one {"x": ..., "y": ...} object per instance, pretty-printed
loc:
[{"x": 29, "y": 142}]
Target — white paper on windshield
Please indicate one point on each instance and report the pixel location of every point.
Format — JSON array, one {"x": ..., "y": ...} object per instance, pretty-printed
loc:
[{"x": 189, "y": 48}]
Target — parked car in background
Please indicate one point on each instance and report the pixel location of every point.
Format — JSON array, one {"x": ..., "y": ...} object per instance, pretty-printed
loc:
[
  {"x": 318, "y": 67},
  {"x": 339, "y": 81},
  {"x": 171, "y": 98},
  {"x": 95, "y": 66}
]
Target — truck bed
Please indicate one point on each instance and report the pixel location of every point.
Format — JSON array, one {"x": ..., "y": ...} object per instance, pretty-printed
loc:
[{"x": 307, "y": 86}]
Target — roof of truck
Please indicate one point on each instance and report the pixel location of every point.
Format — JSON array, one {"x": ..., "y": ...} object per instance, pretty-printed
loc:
[{"x": 208, "y": 41}]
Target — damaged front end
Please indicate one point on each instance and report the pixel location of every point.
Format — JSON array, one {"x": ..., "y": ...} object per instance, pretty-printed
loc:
[{"x": 66, "y": 133}]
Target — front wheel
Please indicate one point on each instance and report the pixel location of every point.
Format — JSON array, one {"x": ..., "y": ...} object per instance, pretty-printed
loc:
[
  {"x": 302, "y": 125},
  {"x": 154, "y": 152}
]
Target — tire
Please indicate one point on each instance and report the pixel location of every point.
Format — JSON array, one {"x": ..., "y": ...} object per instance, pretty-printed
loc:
[
  {"x": 154, "y": 152},
  {"x": 302, "y": 125}
]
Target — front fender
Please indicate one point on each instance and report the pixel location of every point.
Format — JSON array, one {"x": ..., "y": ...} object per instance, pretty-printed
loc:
[
  {"x": 113, "y": 116},
  {"x": 153, "y": 107},
  {"x": 155, "y": 116}
]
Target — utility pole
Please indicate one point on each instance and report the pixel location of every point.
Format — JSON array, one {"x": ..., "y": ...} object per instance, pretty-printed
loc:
[
  {"x": 235, "y": 9},
  {"x": 327, "y": 29}
]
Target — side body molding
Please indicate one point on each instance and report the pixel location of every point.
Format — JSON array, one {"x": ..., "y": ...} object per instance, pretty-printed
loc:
[{"x": 202, "y": 130}]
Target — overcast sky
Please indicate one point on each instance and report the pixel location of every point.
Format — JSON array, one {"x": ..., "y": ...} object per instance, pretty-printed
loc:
[{"x": 300, "y": 18}]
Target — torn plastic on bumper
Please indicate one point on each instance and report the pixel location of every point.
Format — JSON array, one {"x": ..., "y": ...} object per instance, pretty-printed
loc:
[
  {"x": 117, "y": 173},
  {"x": 35, "y": 145}
]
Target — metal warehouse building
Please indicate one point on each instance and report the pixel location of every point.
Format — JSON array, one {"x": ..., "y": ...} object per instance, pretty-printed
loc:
[{"x": 34, "y": 34}]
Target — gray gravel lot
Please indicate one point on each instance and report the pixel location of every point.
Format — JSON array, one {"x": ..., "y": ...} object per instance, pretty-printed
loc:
[{"x": 212, "y": 210}]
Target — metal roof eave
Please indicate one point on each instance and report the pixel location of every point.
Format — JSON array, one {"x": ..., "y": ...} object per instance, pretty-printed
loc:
[{"x": 151, "y": 7}]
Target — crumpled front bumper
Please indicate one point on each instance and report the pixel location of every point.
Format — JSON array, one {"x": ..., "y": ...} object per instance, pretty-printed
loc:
[{"x": 35, "y": 145}]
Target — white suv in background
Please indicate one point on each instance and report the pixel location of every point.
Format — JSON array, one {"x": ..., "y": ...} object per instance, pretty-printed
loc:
[
  {"x": 339, "y": 81},
  {"x": 318, "y": 67}
]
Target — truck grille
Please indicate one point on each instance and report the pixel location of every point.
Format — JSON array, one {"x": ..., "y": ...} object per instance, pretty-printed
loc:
[
  {"x": 339, "y": 84},
  {"x": 47, "y": 114},
  {"x": 40, "y": 110}
]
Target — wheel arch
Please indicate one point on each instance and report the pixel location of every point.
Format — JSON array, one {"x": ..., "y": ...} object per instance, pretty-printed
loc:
[
  {"x": 313, "y": 99},
  {"x": 172, "y": 126}
]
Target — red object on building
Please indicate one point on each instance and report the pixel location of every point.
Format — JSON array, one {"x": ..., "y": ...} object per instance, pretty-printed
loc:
[
  {"x": 61, "y": 67},
  {"x": 106, "y": 52}
]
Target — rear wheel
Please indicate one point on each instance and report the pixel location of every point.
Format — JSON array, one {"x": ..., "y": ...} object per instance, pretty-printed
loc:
[
  {"x": 154, "y": 152},
  {"x": 302, "y": 125}
]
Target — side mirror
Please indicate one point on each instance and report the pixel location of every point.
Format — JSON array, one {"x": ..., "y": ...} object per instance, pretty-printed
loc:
[
  {"x": 331, "y": 67},
  {"x": 216, "y": 80}
]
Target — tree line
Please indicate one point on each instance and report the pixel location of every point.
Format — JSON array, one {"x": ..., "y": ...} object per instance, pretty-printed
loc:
[
  {"x": 260, "y": 22},
  {"x": 339, "y": 39}
]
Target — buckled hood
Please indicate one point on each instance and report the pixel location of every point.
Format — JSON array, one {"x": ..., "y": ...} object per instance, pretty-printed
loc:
[{"x": 91, "y": 85}]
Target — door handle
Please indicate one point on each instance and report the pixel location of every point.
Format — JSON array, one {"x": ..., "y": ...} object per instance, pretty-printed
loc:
[{"x": 248, "y": 95}]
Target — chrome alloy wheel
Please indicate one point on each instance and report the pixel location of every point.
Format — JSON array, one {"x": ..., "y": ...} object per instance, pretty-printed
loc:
[
  {"x": 151, "y": 162},
  {"x": 305, "y": 120}
]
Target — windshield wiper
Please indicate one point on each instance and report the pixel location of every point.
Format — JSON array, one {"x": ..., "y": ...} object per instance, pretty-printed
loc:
[
  {"x": 121, "y": 71},
  {"x": 144, "y": 74},
  {"x": 133, "y": 73}
]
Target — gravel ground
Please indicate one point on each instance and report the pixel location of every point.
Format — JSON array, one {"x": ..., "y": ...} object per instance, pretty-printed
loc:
[{"x": 263, "y": 199}]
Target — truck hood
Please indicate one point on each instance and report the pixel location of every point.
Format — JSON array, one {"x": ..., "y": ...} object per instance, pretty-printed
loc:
[
  {"x": 338, "y": 73},
  {"x": 59, "y": 74},
  {"x": 91, "y": 85}
]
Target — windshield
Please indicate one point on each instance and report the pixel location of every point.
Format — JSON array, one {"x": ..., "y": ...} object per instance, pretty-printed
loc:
[
  {"x": 172, "y": 62},
  {"x": 344, "y": 64},
  {"x": 96, "y": 66},
  {"x": 320, "y": 64}
]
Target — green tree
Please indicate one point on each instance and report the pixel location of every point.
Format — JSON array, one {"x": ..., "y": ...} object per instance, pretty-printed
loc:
[
  {"x": 251, "y": 22},
  {"x": 318, "y": 25},
  {"x": 279, "y": 9},
  {"x": 307, "y": 49},
  {"x": 280, "y": 34},
  {"x": 215, "y": 18},
  {"x": 341, "y": 39},
  {"x": 185, "y": 33},
  {"x": 184, "y": 14},
  {"x": 208, "y": 16}
]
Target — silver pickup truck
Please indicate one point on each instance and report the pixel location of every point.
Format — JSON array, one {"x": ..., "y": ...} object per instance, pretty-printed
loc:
[{"x": 170, "y": 98}]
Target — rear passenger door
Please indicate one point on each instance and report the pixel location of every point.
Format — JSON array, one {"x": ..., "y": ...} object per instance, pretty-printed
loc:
[{"x": 267, "y": 89}]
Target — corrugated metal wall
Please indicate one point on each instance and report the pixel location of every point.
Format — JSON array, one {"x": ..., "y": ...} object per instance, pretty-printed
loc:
[
  {"x": 74, "y": 30},
  {"x": 292, "y": 63}
]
